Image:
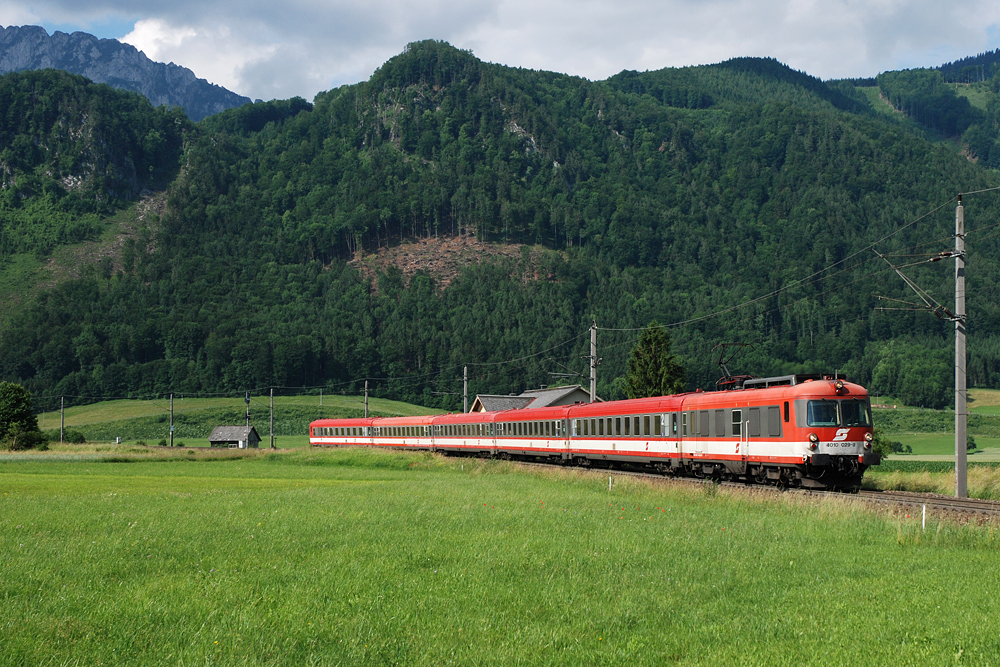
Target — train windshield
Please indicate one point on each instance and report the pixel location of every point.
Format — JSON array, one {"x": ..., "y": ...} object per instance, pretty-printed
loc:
[
  {"x": 851, "y": 412},
  {"x": 854, "y": 413},
  {"x": 822, "y": 413}
]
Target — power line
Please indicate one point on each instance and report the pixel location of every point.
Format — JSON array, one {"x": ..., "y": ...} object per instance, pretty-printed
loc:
[{"x": 808, "y": 279}]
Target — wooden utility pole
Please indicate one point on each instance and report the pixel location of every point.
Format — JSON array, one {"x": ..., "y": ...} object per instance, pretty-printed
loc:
[
  {"x": 465, "y": 389},
  {"x": 366, "y": 399},
  {"x": 62, "y": 417},
  {"x": 272, "y": 418},
  {"x": 171, "y": 420},
  {"x": 961, "y": 413}
]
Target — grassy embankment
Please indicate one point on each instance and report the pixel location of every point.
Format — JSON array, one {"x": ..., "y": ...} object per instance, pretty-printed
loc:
[
  {"x": 363, "y": 557},
  {"x": 194, "y": 418}
]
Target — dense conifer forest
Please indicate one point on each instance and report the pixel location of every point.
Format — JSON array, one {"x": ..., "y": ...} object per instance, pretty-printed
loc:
[{"x": 736, "y": 201}]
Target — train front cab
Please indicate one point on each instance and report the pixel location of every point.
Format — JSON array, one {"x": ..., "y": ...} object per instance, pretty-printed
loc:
[{"x": 834, "y": 423}]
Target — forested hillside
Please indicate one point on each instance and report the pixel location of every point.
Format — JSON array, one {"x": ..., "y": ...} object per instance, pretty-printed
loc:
[
  {"x": 72, "y": 152},
  {"x": 676, "y": 195}
]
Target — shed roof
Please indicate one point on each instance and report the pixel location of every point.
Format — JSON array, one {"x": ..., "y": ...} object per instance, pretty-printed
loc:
[
  {"x": 532, "y": 398},
  {"x": 232, "y": 434},
  {"x": 543, "y": 398},
  {"x": 498, "y": 403}
]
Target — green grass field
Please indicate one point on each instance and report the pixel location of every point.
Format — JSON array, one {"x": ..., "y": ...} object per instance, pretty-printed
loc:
[{"x": 364, "y": 557}]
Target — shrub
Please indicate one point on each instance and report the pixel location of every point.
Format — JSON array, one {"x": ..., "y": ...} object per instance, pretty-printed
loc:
[{"x": 18, "y": 438}]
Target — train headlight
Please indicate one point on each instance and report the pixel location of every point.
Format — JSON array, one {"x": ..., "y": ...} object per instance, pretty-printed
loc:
[
  {"x": 868, "y": 440},
  {"x": 813, "y": 441},
  {"x": 838, "y": 386}
]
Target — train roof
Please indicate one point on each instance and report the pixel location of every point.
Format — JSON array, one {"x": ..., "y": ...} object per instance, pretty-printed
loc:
[
  {"x": 334, "y": 421},
  {"x": 415, "y": 420},
  {"x": 757, "y": 391}
]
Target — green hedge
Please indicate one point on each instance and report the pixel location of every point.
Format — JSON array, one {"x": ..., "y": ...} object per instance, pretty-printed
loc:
[
  {"x": 896, "y": 465},
  {"x": 933, "y": 421}
]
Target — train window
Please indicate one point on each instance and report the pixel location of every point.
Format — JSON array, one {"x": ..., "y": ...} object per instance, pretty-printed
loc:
[
  {"x": 658, "y": 425},
  {"x": 684, "y": 423},
  {"x": 577, "y": 426},
  {"x": 703, "y": 423},
  {"x": 720, "y": 424},
  {"x": 600, "y": 427},
  {"x": 822, "y": 413},
  {"x": 645, "y": 424},
  {"x": 635, "y": 426},
  {"x": 593, "y": 427},
  {"x": 753, "y": 423},
  {"x": 628, "y": 426},
  {"x": 786, "y": 411},
  {"x": 737, "y": 423},
  {"x": 854, "y": 413}
]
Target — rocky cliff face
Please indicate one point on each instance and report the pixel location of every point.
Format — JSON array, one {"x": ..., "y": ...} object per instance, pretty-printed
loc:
[{"x": 116, "y": 64}]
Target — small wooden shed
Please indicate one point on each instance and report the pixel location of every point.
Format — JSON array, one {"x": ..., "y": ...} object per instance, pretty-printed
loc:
[{"x": 234, "y": 437}]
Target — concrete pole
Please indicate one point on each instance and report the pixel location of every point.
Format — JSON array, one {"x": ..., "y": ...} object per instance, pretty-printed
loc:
[
  {"x": 593, "y": 362},
  {"x": 961, "y": 416},
  {"x": 62, "y": 417},
  {"x": 171, "y": 420},
  {"x": 272, "y": 418},
  {"x": 465, "y": 389},
  {"x": 366, "y": 399}
]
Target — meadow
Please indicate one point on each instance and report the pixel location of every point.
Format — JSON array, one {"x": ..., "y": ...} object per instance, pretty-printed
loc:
[
  {"x": 194, "y": 418},
  {"x": 366, "y": 557}
]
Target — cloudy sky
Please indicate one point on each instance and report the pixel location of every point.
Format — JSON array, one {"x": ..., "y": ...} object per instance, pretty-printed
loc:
[{"x": 268, "y": 49}]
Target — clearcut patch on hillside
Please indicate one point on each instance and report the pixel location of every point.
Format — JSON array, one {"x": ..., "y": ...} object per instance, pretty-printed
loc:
[{"x": 442, "y": 257}]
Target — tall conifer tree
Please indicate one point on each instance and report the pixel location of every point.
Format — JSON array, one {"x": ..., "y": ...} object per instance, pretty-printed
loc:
[{"x": 652, "y": 369}]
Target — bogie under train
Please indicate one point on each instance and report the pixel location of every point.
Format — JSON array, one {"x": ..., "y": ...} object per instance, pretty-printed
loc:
[{"x": 811, "y": 431}]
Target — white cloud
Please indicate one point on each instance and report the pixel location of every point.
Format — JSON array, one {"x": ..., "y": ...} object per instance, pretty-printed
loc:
[
  {"x": 300, "y": 47},
  {"x": 214, "y": 53}
]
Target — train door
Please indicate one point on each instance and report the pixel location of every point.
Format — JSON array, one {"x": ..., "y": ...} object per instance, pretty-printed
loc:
[
  {"x": 699, "y": 444},
  {"x": 564, "y": 424}
]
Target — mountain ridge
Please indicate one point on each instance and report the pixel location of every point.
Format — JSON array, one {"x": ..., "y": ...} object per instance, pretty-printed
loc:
[{"x": 115, "y": 63}]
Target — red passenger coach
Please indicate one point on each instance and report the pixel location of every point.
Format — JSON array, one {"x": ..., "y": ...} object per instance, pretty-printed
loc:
[{"x": 797, "y": 430}]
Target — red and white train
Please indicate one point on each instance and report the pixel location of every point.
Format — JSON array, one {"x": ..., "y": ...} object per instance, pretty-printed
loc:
[{"x": 797, "y": 430}]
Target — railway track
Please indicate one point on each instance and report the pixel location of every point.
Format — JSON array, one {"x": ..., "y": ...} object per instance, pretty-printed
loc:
[{"x": 932, "y": 501}]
